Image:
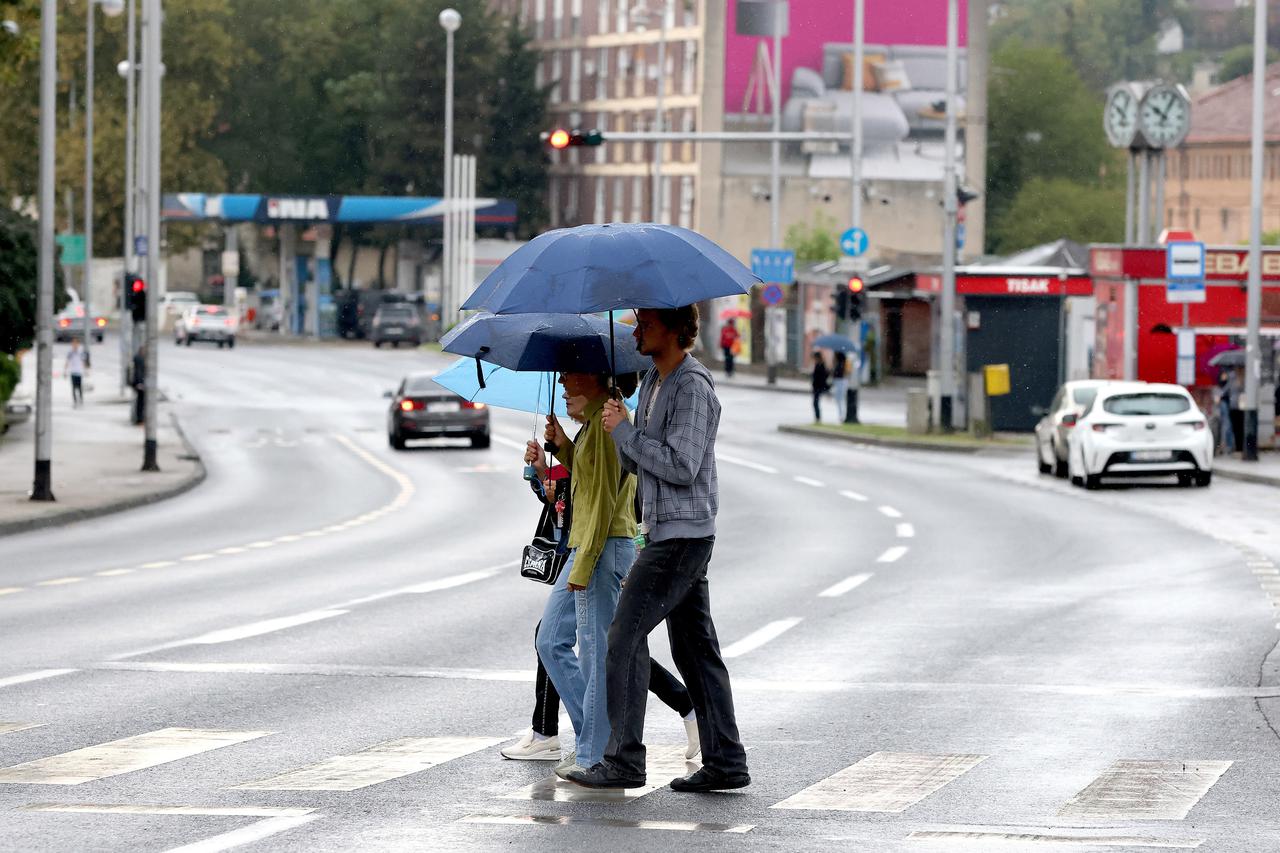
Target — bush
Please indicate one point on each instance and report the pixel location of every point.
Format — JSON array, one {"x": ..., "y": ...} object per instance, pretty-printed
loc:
[
  {"x": 10, "y": 374},
  {"x": 19, "y": 265}
]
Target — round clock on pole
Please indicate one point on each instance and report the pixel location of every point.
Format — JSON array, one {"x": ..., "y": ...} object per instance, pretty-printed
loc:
[
  {"x": 1120, "y": 119},
  {"x": 1165, "y": 115}
]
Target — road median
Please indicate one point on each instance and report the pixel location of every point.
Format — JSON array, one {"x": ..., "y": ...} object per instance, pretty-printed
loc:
[{"x": 878, "y": 435}]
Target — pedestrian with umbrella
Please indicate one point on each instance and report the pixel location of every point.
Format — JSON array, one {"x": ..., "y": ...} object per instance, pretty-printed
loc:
[{"x": 664, "y": 271}]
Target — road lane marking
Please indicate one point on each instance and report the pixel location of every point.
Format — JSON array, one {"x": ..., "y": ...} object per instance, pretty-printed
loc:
[
  {"x": 10, "y": 728},
  {"x": 431, "y": 586},
  {"x": 1145, "y": 790},
  {"x": 893, "y": 555},
  {"x": 846, "y": 585},
  {"x": 38, "y": 675},
  {"x": 854, "y": 496},
  {"x": 123, "y": 756},
  {"x": 883, "y": 782},
  {"x": 906, "y": 531},
  {"x": 381, "y": 763},
  {"x": 158, "y": 809},
  {"x": 10, "y": 590},
  {"x": 265, "y": 543},
  {"x": 890, "y": 512},
  {"x": 663, "y": 763},
  {"x": 288, "y": 538},
  {"x": 1051, "y": 836},
  {"x": 60, "y": 581},
  {"x": 809, "y": 481},
  {"x": 604, "y": 822},
  {"x": 245, "y": 835},
  {"x": 321, "y": 669},
  {"x": 159, "y": 564},
  {"x": 746, "y": 463},
  {"x": 758, "y": 638},
  {"x": 234, "y": 549},
  {"x": 197, "y": 558},
  {"x": 256, "y": 629},
  {"x": 114, "y": 573}
]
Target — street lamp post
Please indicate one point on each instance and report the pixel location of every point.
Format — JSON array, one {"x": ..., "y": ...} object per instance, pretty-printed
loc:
[
  {"x": 126, "y": 69},
  {"x": 450, "y": 20},
  {"x": 639, "y": 15},
  {"x": 947, "y": 300},
  {"x": 42, "y": 482},
  {"x": 1253, "y": 297},
  {"x": 151, "y": 24}
]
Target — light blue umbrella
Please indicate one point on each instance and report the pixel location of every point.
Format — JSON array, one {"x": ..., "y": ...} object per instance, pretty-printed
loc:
[{"x": 522, "y": 391}]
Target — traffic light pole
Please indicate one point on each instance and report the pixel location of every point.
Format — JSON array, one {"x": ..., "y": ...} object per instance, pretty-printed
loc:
[
  {"x": 947, "y": 302},
  {"x": 42, "y": 483},
  {"x": 151, "y": 23},
  {"x": 855, "y": 201}
]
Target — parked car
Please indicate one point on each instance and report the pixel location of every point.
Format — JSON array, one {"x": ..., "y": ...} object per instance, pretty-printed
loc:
[
  {"x": 1137, "y": 429},
  {"x": 396, "y": 323},
  {"x": 69, "y": 323},
  {"x": 422, "y": 409},
  {"x": 206, "y": 323},
  {"x": 17, "y": 409},
  {"x": 176, "y": 302},
  {"x": 1051, "y": 432}
]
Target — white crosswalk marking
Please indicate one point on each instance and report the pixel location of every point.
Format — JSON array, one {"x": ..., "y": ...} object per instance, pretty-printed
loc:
[
  {"x": 883, "y": 782},
  {"x": 1055, "y": 837},
  {"x": 122, "y": 756},
  {"x": 38, "y": 675},
  {"x": 1145, "y": 790},
  {"x": 606, "y": 822},
  {"x": 664, "y": 763},
  {"x": 890, "y": 512},
  {"x": 381, "y": 763}
]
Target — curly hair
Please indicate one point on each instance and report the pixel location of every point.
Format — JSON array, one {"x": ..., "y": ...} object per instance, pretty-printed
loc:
[{"x": 683, "y": 321}]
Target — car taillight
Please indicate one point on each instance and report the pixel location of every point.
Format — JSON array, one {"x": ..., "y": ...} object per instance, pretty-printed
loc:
[
  {"x": 102, "y": 321},
  {"x": 64, "y": 322},
  {"x": 228, "y": 322},
  {"x": 467, "y": 404},
  {"x": 409, "y": 405},
  {"x": 1195, "y": 425}
]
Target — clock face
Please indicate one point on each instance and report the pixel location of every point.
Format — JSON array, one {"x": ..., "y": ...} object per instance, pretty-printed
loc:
[
  {"x": 1166, "y": 117},
  {"x": 1121, "y": 117}
]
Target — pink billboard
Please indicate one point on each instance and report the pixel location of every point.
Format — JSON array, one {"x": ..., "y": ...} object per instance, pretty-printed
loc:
[{"x": 818, "y": 22}]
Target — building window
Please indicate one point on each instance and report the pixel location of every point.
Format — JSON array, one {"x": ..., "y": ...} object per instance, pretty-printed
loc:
[
  {"x": 553, "y": 200},
  {"x": 689, "y": 82},
  {"x": 575, "y": 75},
  {"x": 602, "y": 16},
  {"x": 598, "y": 209},
  {"x": 1226, "y": 218},
  {"x": 1196, "y": 219},
  {"x": 539, "y": 18},
  {"x": 622, "y": 16},
  {"x": 572, "y": 186},
  {"x": 557, "y": 18},
  {"x": 575, "y": 25},
  {"x": 637, "y": 199},
  {"x": 668, "y": 188},
  {"x": 686, "y": 202},
  {"x": 619, "y": 190},
  {"x": 556, "y": 73}
]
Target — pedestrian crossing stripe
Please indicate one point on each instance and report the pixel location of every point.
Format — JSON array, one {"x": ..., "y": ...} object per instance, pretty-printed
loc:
[
  {"x": 1145, "y": 790},
  {"x": 606, "y": 822},
  {"x": 9, "y": 728},
  {"x": 664, "y": 764},
  {"x": 1053, "y": 836},
  {"x": 123, "y": 756},
  {"x": 381, "y": 763},
  {"x": 883, "y": 782}
]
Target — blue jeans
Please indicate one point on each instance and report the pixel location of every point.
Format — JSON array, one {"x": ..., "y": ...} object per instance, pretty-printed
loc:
[
  {"x": 584, "y": 617},
  {"x": 1228, "y": 440}
]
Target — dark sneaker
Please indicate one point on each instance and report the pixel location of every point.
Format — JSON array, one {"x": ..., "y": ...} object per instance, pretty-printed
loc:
[
  {"x": 602, "y": 776},
  {"x": 707, "y": 779}
]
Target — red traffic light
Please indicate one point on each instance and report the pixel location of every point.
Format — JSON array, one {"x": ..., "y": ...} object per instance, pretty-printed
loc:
[
  {"x": 139, "y": 285},
  {"x": 855, "y": 285},
  {"x": 559, "y": 138}
]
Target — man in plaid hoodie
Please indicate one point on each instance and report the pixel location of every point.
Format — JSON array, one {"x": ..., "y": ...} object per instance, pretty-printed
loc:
[{"x": 671, "y": 448}]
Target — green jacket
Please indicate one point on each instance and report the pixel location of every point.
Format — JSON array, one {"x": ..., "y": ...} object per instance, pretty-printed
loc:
[{"x": 600, "y": 508}]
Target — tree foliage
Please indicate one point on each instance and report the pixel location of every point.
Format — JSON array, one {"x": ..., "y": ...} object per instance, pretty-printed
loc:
[
  {"x": 814, "y": 241},
  {"x": 1047, "y": 209},
  {"x": 19, "y": 279},
  {"x": 1238, "y": 61}
]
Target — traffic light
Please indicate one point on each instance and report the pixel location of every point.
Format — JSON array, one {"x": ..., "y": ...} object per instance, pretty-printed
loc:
[
  {"x": 839, "y": 302},
  {"x": 137, "y": 296},
  {"x": 854, "y": 290},
  {"x": 561, "y": 138}
]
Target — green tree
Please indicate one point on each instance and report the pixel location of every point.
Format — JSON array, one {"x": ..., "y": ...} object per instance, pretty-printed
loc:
[
  {"x": 1238, "y": 61},
  {"x": 1047, "y": 209},
  {"x": 19, "y": 279},
  {"x": 1045, "y": 123},
  {"x": 814, "y": 241}
]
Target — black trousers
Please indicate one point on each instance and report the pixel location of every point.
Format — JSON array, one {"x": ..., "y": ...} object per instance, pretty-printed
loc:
[
  {"x": 139, "y": 406},
  {"x": 669, "y": 581},
  {"x": 817, "y": 405},
  {"x": 546, "y": 701},
  {"x": 728, "y": 360},
  {"x": 77, "y": 388}
]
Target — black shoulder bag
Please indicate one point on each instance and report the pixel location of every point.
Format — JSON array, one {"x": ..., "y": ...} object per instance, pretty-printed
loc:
[{"x": 544, "y": 558}]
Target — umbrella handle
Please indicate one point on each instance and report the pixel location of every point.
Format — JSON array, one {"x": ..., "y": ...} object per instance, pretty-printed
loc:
[{"x": 479, "y": 369}]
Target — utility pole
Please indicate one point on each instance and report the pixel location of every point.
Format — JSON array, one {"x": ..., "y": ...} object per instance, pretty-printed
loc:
[
  {"x": 781, "y": 20},
  {"x": 1253, "y": 300},
  {"x": 450, "y": 20},
  {"x": 130, "y": 191},
  {"x": 947, "y": 302},
  {"x": 42, "y": 483},
  {"x": 151, "y": 25},
  {"x": 855, "y": 203},
  {"x": 87, "y": 278}
]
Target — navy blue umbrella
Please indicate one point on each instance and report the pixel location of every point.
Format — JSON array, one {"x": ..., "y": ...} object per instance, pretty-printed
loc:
[
  {"x": 595, "y": 268},
  {"x": 564, "y": 343},
  {"x": 839, "y": 343}
]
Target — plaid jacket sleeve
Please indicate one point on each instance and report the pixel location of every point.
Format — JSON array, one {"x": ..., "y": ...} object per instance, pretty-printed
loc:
[{"x": 677, "y": 457}]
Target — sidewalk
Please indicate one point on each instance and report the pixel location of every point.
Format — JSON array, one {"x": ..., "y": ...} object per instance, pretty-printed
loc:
[
  {"x": 1266, "y": 471},
  {"x": 96, "y": 459},
  {"x": 883, "y": 405}
]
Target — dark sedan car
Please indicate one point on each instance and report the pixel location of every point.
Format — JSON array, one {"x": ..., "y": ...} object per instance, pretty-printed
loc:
[
  {"x": 422, "y": 409},
  {"x": 396, "y": 323}
]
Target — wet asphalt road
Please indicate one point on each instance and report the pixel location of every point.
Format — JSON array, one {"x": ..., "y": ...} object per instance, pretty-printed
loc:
[{"x": 980, "y": 657}]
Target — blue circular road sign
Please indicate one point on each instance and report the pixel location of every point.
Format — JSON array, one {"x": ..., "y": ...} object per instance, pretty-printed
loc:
[{"x": 854, "y": 242}]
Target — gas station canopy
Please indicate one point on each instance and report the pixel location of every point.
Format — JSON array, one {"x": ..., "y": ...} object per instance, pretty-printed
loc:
[{"x": 198, "y": 207}]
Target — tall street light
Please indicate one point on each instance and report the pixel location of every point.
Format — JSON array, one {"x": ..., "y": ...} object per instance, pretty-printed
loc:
[
  {"x": 947, "y": 299},
  {"x": 42, "y": 483},
  {"x": 1253, "y": 298},
  {"x": 112, "y": 9},
  {"x": 450, "y": 20},
  {"x": 152, "y": 21},
  {"x": 127, "y": 70}
]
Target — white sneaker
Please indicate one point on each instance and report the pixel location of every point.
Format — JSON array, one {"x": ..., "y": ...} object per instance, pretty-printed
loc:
[
  {"x": 691, "y": 732},
  {"x": 569, "y": 762},
  {"x": 530, "y": 748}
]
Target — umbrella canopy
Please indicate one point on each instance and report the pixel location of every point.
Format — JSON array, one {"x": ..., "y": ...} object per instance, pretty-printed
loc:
[
  {"x": 735, "y": 314},
  {"x": 522, "y": 391},
  {"x": 1228, "y": 358},
  {"x": 556, "y": 342},
  {"x": 839, "y": 343},
  {"x": 594, "y": 268}
]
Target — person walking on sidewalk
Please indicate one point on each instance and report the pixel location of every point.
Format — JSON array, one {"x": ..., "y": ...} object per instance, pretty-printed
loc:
[
  {"x": 821, "y": 385},
  {"x": 730, "y": 341},
  {"x": 672, "y": 449},
  {"x": 76, "y": 366},
  {"x": 840, "y": 383}
]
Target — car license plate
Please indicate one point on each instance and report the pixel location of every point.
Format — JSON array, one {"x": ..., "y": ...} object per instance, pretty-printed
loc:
[
  {"x": 1151, "y": 455},
  {"x": 394, "y": 330},
  {"x": 442, "y": 407}
]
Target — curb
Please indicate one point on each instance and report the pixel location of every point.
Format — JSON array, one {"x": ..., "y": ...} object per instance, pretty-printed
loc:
[
  {"x": 72, "y": 515},
  {"x": 1246, "y": 477},
  {"x": 899, "y": 444},
  {"x": 753, "y": 386}
]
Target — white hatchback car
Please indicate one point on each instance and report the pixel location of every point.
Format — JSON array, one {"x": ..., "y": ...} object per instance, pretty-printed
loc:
[
  {"x": 1138, "y": 429},
  {"x": 1052, "y": 430}
]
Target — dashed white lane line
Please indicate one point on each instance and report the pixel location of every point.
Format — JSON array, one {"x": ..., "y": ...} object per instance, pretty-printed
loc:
[
  {"x": 10, "y": 590},
  {"x": 262, "y": 544},
  {"x": 893, "y": 555},
  {"x": 846, "y": 585},
  {"x": 254, "y": 629},
  {"x": 114, "y": 573},
  {"x": 906, "y": 531},
  {"x": 854, "y": 496},
  {"x": 507, "y": 442},
  {"x": 430, "y": 586},
  {"x": 38, "y": 675},
  {"x": 758, "y": 638},
  {"x": 809, "y": 481},
  {"x": 158, "y": 564},
  {"x": 746, "y": 463},
  {"x": 60, "y": 581},
  {"x": 890, "y": 512},
  {"x": 234, "y": 549}
]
